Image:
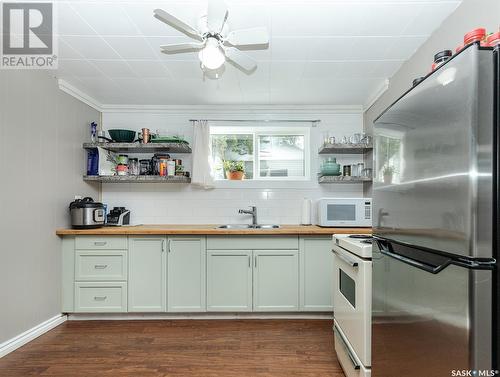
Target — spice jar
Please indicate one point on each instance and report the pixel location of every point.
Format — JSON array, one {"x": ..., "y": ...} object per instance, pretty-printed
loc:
[
  {"x": 121, "y": 169},
  {"x": 133, "y": 166},
  {"x": 493, "y": 39},
  {"x": 442, "y": 57},
  {"x": 122, "y": 159},
  {"x": 475, "y": 35},
  {"x": 144, "y": 167},
  {"x": 162, "y": 166},
  {"x": 170, "y": 168},
  {"x": 347, "y": 170}
]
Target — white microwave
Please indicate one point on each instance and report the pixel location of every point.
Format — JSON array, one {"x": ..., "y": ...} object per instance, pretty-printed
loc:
[{"x": 345, "y": 212}]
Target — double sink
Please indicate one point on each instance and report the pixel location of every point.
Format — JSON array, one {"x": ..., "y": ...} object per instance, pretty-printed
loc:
[{"x": 248, "y": 226}]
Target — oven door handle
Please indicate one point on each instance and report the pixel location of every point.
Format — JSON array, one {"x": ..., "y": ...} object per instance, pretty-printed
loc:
[
  {"x": 351, "y": 262},
  {"x": 355, "y": 364}
]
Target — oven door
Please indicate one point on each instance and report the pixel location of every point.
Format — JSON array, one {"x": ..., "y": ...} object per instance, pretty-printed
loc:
[{"x": 352, "y": 300}]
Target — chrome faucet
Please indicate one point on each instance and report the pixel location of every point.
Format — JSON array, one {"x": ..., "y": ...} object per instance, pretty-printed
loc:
[{"x": 252, "y": 212}]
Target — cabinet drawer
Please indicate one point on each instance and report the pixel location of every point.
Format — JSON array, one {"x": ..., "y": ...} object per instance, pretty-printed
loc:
[
  {"x": 100, "y": 265},
  {"x": 252, "y": 242},
  {"x": 101, "y": 242},
  {"x": 100, "y": 297}
]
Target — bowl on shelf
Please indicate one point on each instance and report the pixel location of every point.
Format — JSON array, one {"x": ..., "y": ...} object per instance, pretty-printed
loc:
[
  {"x": 330, "y": 167},
  {"x": 122, "y": 136}
]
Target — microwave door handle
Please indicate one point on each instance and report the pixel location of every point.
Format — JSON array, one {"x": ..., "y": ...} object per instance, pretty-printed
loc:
[{"x": 351, "y": 262}]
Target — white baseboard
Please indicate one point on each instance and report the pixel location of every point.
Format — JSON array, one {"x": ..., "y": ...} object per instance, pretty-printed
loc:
[
  {"x": 27, "y": 336},
  {"x": 194, "y": 316}
]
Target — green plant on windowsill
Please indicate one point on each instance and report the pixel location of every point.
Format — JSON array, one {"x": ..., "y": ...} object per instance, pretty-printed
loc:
[
  {"x": 235, "y": 170},
  {"x": 388, "y": 172}
]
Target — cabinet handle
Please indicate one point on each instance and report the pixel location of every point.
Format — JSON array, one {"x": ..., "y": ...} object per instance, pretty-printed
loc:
[
  {"x": 256, "y": 261},
  {"x": 100, "y": 243},
  {"x": 169, "y": 246},
  {"x": 249, "y": 263},
  {"x": 100, "y": 298},
  {"x": 100, "y": 266},
  {"x": 162, "y": 246}
]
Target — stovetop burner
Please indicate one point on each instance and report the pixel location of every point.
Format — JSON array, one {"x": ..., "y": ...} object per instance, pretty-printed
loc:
[{"x": 360, "y": 236}]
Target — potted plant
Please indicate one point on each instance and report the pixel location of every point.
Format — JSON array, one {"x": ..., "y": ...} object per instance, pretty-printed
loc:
[
  {"x": 388, "y": 173},
  {"x": 235, "y": 170}
]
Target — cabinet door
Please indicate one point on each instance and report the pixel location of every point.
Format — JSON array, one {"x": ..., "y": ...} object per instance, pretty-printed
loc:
[
  {"x": 229, "y": 280},
  {"x": 316, "y": 274},
  {"x": 276, "y": 280},
  {"x": 186, "y": 274},
  {"x": 147, "y": 274}
]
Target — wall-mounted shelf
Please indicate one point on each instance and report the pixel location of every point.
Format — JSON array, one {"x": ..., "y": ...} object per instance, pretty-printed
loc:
[
  {"x": 136, "y": 179},
  {"x": 142, "y": 148},
  {"x": 342, "y": 179},
  {"x": 345, "y": 148}
]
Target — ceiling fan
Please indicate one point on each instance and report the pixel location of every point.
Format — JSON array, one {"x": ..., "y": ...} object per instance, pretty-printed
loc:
[{"x": 213, "y": 39}]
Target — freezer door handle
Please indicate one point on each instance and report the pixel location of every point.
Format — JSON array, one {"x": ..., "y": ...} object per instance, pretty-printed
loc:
[{"x": 385, "y": 249}]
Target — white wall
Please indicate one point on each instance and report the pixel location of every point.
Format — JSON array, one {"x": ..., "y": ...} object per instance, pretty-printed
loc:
[
  {"x": 41, "y": 164},
  {"x": 277, "y": 202}
]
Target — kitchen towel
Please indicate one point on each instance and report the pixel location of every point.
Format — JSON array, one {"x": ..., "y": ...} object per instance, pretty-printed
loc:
[{"x": 202, "y": 174}]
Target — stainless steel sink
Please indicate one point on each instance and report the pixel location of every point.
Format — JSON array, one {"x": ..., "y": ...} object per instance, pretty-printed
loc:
[
  {"x": 248, "y": 226},
  {"x": 235, "y": 226},
  {"x": 267, "y": 226}
]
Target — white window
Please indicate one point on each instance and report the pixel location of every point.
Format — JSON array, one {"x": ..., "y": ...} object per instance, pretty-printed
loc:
[{"x": 264, "y": 153}]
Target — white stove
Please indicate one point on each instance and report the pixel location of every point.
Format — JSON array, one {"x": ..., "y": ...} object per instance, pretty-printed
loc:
[
  {"x": 358, "y": 244},
  {"x": 353, "y": 302}
]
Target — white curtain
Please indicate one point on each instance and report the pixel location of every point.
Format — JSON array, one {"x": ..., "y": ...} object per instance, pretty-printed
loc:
[{"x": 202, "y": 174}]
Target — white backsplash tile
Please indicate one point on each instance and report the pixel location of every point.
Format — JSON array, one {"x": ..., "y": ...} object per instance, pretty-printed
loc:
[{"x": 185, "y": 204}]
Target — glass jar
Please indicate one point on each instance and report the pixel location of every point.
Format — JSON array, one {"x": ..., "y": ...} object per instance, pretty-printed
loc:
[
  {"x": 121, "y": 169},
  {"x": 145, "y": 167},
  {"x": 133, "y": 166}
]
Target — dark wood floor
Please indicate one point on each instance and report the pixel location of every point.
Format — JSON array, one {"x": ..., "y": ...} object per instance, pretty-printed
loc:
[{"x": 179, "y": 348}]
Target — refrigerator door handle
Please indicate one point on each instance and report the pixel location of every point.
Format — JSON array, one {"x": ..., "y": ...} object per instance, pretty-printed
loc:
[{"x": 385, "y": 250}]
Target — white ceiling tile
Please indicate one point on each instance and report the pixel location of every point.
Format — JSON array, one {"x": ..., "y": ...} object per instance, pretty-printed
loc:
[
  {"x": 70, "y": 23},
  {"x": 106, "y": 18},
  {"x": 114, "y": 68},
  {"x": 80, "y": 68},
  {"x": 131, "y": 47},
  {"x": 320, "y": 52},
  {"x": 142, "y": 16},
  {"x": 148, "y": 69},
  {"x": 91, "y": 47},
  {"x": 430, "y": 17},
  {"x": 66, "y": 51}
]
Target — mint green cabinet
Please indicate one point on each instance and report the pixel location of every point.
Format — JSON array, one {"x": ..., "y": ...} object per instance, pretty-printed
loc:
[
  {"x": 229, "y": 280},
  {"x": 276, "y": 280},
  {"x": 147, "y": 274},
  {"x": 186, "y": 274},
  {"x": 316, "y": 274}
]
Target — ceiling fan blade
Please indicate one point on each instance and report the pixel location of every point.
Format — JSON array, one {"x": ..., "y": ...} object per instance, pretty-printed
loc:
[
  {"x": 181, "y": 47},
  {"x": 216, "y": 15},
  {"x": 240, "y": 59},
  {"x": 176, "y": 23},
  {"x": 253, "y": 36}
]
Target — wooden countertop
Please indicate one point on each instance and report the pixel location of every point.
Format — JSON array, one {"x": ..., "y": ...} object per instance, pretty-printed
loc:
[{"x": 209, "y": 229}]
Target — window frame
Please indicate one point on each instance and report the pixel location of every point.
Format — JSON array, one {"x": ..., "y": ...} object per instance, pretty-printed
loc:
[{"x": 256, "y": 131}]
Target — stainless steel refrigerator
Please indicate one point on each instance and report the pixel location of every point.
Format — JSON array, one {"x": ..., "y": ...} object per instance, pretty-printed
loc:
[{"x": 436, "y": 219}]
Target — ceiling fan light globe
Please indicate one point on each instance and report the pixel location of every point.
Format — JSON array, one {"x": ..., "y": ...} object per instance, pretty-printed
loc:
[{"x": 211, "y": 56}]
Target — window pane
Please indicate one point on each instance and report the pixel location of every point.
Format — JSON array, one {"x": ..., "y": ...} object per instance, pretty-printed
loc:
[
  {"x": 232, "y": 147},
  {"x": 281, "y": 156}
]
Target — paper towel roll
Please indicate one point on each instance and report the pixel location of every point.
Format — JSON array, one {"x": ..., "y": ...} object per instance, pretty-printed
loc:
[{"x": 306, "y": 212}]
